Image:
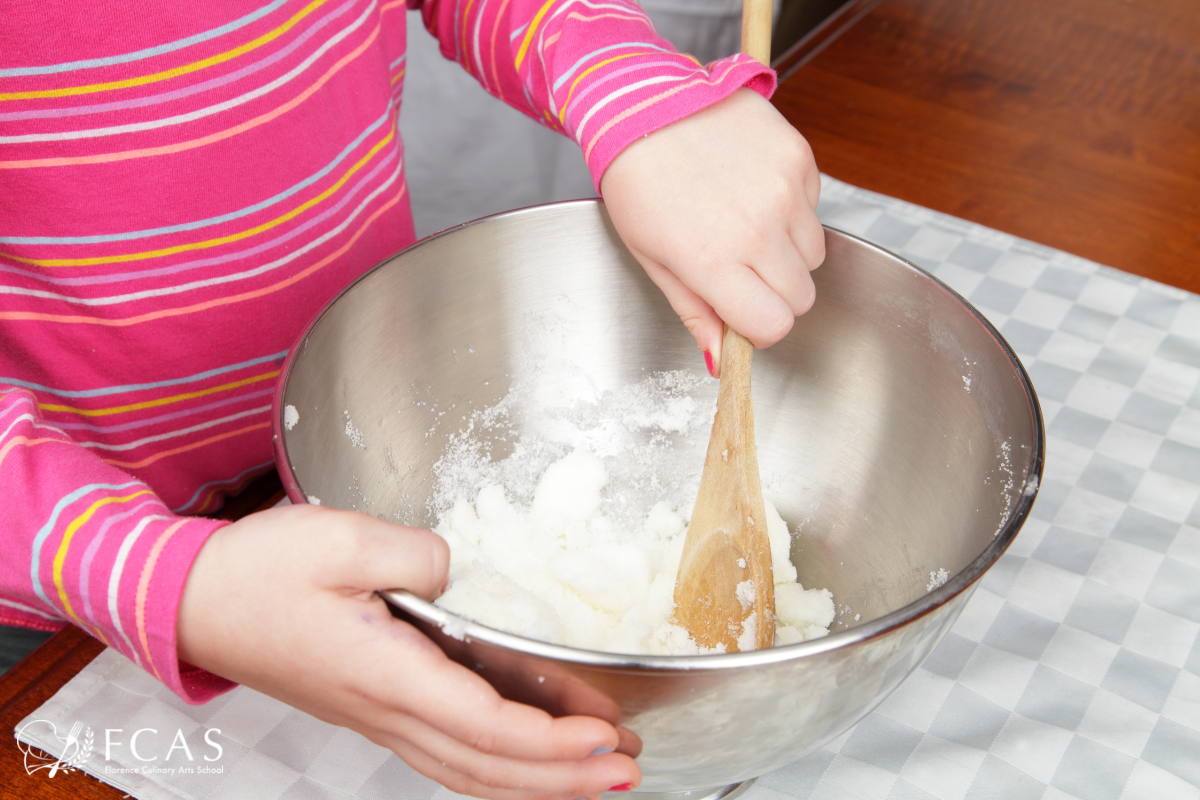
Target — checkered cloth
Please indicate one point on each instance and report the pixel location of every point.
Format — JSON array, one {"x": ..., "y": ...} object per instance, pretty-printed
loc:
[{"x": 1073, "y": 672}]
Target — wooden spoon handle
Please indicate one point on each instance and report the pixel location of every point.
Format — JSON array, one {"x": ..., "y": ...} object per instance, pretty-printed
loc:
[
  {"x": 756, "y": 29},
  {"x": 736, "y": 351},
  {"x": 757, "y": 16},
  {"x": 737, "y": 354}
]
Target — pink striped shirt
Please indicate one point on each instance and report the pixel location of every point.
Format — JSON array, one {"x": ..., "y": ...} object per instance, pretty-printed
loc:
[{"x": 182, "y": 187}]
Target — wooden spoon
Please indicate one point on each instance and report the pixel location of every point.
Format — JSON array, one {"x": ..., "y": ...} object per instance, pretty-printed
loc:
[{"x": 725, "y": 575}]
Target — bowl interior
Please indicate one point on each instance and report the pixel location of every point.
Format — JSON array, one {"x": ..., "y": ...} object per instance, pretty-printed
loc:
[{"x": 896, "y": 431}]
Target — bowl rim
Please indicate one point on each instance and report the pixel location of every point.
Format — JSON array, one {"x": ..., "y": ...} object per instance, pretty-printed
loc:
[{"x": 468, "y": 630}]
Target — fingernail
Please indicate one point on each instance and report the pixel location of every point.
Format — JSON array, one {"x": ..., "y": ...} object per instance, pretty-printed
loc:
[
  {"x": 708, "y": 362},
  {"x": 599, "y": 751},
  {"x": 624, "y": 787}
]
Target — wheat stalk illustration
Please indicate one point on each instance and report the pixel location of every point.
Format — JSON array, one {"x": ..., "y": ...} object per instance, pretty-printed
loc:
[{"x": 83, "y": 752}]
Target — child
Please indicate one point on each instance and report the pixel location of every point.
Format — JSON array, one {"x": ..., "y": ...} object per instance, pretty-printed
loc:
[{"x": 182, "y": 187}]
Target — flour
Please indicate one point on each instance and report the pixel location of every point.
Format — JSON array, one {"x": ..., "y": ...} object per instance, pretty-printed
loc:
[
  {"x": 354, "y": 434},
  {"x": 937, "y": 580},
  {"x": 576, "y": 536}
]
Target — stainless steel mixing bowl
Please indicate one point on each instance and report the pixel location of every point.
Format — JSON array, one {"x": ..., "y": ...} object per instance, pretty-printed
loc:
[{"x": 895, "y": 427}]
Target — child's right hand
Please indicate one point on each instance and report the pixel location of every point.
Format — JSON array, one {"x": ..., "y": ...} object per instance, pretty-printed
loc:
[
  {"x": 720, "y": 210},
  {"x": 284, "y": 602}
]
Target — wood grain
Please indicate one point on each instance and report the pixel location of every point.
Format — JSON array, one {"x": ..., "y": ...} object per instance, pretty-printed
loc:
[
  {"x": 1075, "y": 124},
  {"x": 24, "y": 688}
]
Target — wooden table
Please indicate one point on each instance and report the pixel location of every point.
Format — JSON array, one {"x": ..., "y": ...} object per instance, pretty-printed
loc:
[{"x": 1075, "y": 124}]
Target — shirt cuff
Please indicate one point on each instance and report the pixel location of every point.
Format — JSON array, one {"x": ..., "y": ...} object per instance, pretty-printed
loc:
[
  {"x": 164, "y": 563},
  {"x": 658, "y": 104}
]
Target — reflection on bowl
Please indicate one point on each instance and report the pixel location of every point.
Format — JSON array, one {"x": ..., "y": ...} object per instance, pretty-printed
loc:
[{"x": 896, "y": 428}]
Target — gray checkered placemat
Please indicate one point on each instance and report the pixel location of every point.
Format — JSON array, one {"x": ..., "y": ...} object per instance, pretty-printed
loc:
[{"x": 1073, "y": 672}]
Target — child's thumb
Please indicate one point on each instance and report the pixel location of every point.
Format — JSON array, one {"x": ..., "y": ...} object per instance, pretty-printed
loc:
[{"x": 384, "y": 556}]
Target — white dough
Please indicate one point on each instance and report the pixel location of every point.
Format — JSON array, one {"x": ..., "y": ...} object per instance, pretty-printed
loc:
[
  {"x": 561, "y": 571},
  {"x": 745, "y": 591},
  {"x": 575, "y": 536}
]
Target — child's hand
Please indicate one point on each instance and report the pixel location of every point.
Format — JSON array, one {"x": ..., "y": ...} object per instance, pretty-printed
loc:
[
  {"x": 720, "y": 210},
  {"x": 283, "y": 601}
]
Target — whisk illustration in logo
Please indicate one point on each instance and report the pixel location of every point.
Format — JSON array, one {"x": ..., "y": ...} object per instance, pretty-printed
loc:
[{"x": 77, "y": 746}]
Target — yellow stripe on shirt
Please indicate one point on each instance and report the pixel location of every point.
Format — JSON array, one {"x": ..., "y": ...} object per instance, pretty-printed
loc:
[
  {"x": 162, "y": 401},
  {"x": 562, "y": 113},
  {"x": 61, "y": 556},
  {"x": 537, "y": 19},
  {"x": 195, "y": 66},
  {"x": 233, "y": 237}
]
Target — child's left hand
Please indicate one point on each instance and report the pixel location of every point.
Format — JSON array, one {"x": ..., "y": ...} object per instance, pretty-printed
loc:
[{"x": 719, "y": 208}]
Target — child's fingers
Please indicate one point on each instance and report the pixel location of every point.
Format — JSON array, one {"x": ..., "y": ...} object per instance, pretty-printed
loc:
[
  {"x": 780, "y": 263},
  {"x": 697, "y": 315},
  {"x": 760, "y": 303},
  {"x": 466, "y": 708},
  {"x": 450, "y": 697},
  {"x": 370, "y": 555},
  {"x": 808, "y": 237},
  {"x": 458, "y": 731},
  {"x": 812, "y": 183},
  {"x": 470, "y": 772},
  {"x": 453, "y": 727},
  {"x": 746, "y": 302},
  {"x": 449, "y": 761}
]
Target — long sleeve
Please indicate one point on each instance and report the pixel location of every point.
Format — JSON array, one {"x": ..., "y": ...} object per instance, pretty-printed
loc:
[
  {"x": 177, "y": 199},
  {"x": 106, "y": 554},
  {"x": 595, "y": 71}
]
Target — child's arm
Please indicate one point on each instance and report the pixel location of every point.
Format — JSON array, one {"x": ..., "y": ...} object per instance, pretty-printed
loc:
[
  {"x": 86, "y": 543},
  {"x": 711, "y": 189},
  {"x": 596, "y": 72},
  {"x": 282, "y": 601}
]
